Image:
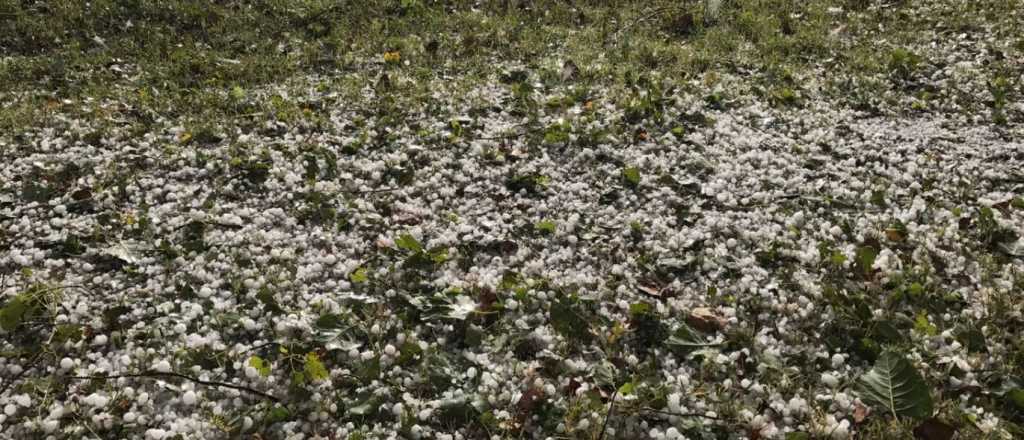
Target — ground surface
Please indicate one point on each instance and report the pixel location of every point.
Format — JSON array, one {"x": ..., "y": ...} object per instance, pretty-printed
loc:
[{"x": 526, "y": 220}]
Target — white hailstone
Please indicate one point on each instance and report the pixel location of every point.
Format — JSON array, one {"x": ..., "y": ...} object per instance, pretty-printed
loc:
[
  {"x": 251, "y": 372},
  {"x": 249, "y": 324},
  {"x": 673, "y": 434},
  {"x": 99, "y": 340},
  {"x": 66, "y": 363},
  {"x": 583, "y": 424},
  {"x": 50, "y": 425},
  {"x": 129, "y": 417},
  {"x": 841, "y": 430},
  {"x": 195, "y": 340},
  {"x": 390, "y": 350},
  {"x": 829, "y": 380},
  {"x": 96, "y": 400},
  {"x": 10, "y": 409},
  {"x": 23, "y": 400},
  {"x": 163, "y": 366},
  {"x": 425, "y": 414},
  {"x": 838, "y": 360},
  {"x": 189, "y": 398},
  {"x": 205, "y": 292},
  {"x": 247, "y": 423},
  {"x": 56, "y": 413},
  {"x": 156, "y": 434},
  {"x": 796, "y": 405},
  {"x": 143, "y": 398},
  {"x": 397, "y": 409}
]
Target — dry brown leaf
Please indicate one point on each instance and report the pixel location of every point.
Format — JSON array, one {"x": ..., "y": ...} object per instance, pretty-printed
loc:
[
  {"x": 705, "y": 320},
  {"x": 860, "y": 412},
  {"x": 934, "y": 429}
]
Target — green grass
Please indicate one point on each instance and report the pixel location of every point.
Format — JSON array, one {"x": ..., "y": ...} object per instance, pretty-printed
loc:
[{"x": 179, "y": 59}]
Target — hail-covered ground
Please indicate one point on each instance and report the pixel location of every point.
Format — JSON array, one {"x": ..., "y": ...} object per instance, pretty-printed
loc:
[{"x": 518, "y": 259}]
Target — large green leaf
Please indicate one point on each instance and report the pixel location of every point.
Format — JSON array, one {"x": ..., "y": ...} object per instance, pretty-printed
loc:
[
  {"x": 409, "y": 243},
  {"x": 895, "y": 386},
  {"x": 12, "y": 313}
]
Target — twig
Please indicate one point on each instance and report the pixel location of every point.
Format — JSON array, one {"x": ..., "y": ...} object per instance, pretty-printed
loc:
[
  {"x": 677, "y": 414},
  {"x": 641, "y": 19},
  {"x": 249, "y": 115},
  {"x": 607, "y": 417},
  {"x": 370, "y": 191},
  {"x": 157, "y": 374},
  {"x": 262, "y": 346}
]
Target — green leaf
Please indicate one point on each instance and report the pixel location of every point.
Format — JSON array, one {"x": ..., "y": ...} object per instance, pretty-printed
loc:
[
  {"x": 11, "y": 314},
  {"x": 266, "y": 296},
  {"x": 866, "y": 259},
  {"x": 567, "y": 320},
  {"x": 627, "y": 389},
  {"x": 314, "y": 368},
  {"x": 798, "y": 436},
  {"x": 365, "y": 408},
  {"x": 545, "y": 227},
  {"x": 924, "y": 326},
  {"x": 439, "y": 255},
  {"x": 895, "y": 386},
  {"x": 330, "y": 321},
  {"x": 260, "y": 365},
  {"x": 1016, "y": 398},
  {"x": 631, "y": 176},
  {"x": 409, "y": 243},
  {"x": 1017, "y": 203},
  {"x": 359, "y": 275},
  {"x": 237, "y": 93},
  {"x": 277, "y": 414},
  {"x": 838, "y": 258}
]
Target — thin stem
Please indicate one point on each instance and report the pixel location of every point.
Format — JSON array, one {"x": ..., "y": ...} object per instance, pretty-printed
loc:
[
  {"x": 156, "y": 374},
  {"x": 607, "y": 417}
]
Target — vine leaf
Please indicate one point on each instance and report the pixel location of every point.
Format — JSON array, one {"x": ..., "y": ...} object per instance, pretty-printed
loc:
[{"x": 894, "y": 385}]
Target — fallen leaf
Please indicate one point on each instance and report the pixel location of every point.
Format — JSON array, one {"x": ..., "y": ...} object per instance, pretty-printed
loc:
[
  {"x": 1003, "y": 206},
  {"x": 569, "y": 70},
  {"x": 530, "y": 400},
  {"x": 486, "y": 300},
  {"x": 571, "y": 388},
  {"x": 860, "y": 412},
  {"x": 964, "y": 223},
  {"x": 649, "y": 290},
  {"x": 894, "y": 234},
  {"x": 934, "y": 429},
  {"x": 683, "y": 24},
  {"x": 705, "y": 320}
]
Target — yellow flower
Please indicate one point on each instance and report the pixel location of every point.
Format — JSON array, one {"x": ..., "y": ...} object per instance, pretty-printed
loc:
[{"x": 392, "y": 57}]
